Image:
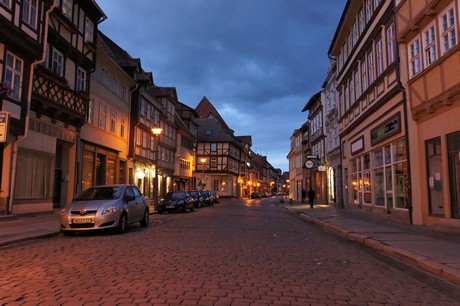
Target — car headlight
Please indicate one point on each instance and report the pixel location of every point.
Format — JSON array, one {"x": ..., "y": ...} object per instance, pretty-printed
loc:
[{"x": 110, "y": 210}]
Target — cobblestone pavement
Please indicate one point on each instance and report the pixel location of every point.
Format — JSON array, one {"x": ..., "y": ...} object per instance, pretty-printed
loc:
[{"x": 239, "y": 252}]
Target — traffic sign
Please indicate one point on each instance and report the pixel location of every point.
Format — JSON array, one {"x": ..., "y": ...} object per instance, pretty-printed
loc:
[
  {"x": 309, "y": 163},
  {"x": 4, "y": 116}
]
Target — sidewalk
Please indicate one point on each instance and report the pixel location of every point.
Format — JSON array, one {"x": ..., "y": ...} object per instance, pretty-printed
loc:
[
  {"x": 433, "y": 251},
  {"x": 420, "y": 246}
]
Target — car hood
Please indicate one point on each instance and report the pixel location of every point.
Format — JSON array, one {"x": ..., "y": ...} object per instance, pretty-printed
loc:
[
  {"x": 170, "y": 201},
  {"x": 90, "y": 205}
]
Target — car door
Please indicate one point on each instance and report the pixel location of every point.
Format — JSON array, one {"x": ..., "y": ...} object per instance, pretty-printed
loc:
[
  {"x": 141, "y": 203},
  {"x": 131, "y": 205}
]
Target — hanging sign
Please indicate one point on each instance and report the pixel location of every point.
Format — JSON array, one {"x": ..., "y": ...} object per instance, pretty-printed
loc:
[{"x": 4, "y": 120}]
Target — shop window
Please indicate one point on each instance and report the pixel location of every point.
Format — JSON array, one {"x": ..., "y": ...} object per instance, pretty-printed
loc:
[
  {"x": 453, "y": 148},
  {"x": 434, "y": 171},
  {"x": 34, "y": 173}
]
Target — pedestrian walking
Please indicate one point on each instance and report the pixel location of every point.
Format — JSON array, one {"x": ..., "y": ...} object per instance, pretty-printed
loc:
[{"x": 311, "y": 197}]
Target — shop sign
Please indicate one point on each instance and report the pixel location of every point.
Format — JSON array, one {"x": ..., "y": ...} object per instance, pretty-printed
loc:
[
  {"x": 357, "y": 145},
  {"x": 4, "y": 116},
  {"x": 387, "y": 129}
]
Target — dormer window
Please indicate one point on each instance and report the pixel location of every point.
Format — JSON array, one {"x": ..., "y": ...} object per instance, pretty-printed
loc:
[{"x": 208, "y": 132}]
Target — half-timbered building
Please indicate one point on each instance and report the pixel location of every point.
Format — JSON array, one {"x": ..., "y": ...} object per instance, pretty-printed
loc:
[{"x": 23, "y": 32}]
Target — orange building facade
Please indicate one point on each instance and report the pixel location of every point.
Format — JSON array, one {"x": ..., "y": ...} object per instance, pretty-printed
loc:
[{"x": 427, "y": 32}]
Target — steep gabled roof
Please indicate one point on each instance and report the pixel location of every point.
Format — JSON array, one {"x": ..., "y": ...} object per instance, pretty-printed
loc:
[
  {"x": 205, "y": 109},
  {"x": 210, "y": 129},
  {"x": 312, "y": 100},
  {"x": 247, "y": 140}
]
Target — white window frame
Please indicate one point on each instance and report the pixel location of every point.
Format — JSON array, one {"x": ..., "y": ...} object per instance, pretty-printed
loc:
[
  {"x": 81, "y": 80},
  {"x": 7, "y": 3},
  {"x": 371, "y": 67},
  {"x": 57, "y": 62},
  {"x": 430, "y": 44},
  {"x": 67, "y": 8},
  {"x": 89, "y": 30},
  {"x": 364, "y": 81},
  {"x": 91, "y": 103},
  {"x": 415, "y": 57},
  {"x": 448, "y": 29},
  {"x": 102, "y": 116},
  {"x": 13, "y": 74},
  {"x": 379, "y": 56},
  {"x": 113, "y": 122},
  {"x": 30, "y": 12},
  {"x": 390, "y": 39}
]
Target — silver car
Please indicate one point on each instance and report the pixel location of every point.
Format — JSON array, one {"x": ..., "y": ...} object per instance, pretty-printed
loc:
[{"x": 105, "y": 207}]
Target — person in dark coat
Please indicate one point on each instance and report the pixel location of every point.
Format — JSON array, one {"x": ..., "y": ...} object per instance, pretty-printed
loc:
[{"x": 311, "y": 197}]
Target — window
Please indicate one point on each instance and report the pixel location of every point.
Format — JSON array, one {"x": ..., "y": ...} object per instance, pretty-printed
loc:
[
  {"x": 368, "y": 10},
  {"x": 57, "y": 62},
  {"x": 429, "y": 45},
  {"x": 208, "y": 132},
  {"x": 434, "y": 171},
  {"x": 122, "y": 128},
  {"x": 81, "y": 80},
  {"x": 391, "y": 44},
  {"x": 105, "y": 77},
  {"x": 362, "y": 21},
  {"x": 29, "y": 12},
  {"x": 66, "y": 7},
  {"x": 113, "y": 122},
  {"x": 357, "y": 85},
  {"x": 448, "y": 31},
  {"x": 7, "y": 3},
  {"x": 115, "y": 85},
  {"x": 415, "y": 61},
  {"x": 102, "y": 116},
  {"x": 13, "y": 74},
  {"x": 34, "y": 173},
  {"x": 90, "y": 118},
  {"x": 355, "y": 33},
  {"x": 370, "y": 66},
  {"x": 213, "y": 162},
  {"x": 89, "y": 30},
  {"x": 363, "y": 75},
  {"x": 213, "y": 147},
  {"x": 379, "y": 56}
]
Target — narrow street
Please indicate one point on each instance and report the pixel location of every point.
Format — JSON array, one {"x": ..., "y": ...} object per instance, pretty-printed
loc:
[{"x": 239, "y": 252}]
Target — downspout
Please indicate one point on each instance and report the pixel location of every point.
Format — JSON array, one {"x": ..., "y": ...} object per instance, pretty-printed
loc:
[
  {"x": 29, "y": 101},
  {"x": 406, "y": 127}
]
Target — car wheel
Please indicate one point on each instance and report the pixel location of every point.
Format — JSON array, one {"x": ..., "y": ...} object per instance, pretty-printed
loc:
[
  {"x": 192, "y": 208},
  {"x": 145, "y": 220},
  {"x": 122, "y": 223},
  {"x": 184, "y": 209}
]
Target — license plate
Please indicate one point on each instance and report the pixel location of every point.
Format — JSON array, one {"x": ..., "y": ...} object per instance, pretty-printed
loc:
[
  {"x": 87, "y": 220},
  {"x": 170, "y": 206}
]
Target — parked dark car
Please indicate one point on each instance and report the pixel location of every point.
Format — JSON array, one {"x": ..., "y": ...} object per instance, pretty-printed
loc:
[
  {"x": 215, "y": 197},
  {"x": 105, "y": 207},
  {"x": 175, "y": 201},
  {"x": 197, "y": 198},
  {"x": 206, "y": 195},
  {"x": 255, "y": 195}
]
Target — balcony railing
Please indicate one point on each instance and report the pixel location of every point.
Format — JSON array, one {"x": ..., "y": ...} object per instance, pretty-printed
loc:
[{"x": 52, "y": 96}]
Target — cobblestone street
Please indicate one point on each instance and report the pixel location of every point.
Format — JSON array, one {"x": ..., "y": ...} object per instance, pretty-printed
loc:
[{"x": 239, "y": 252}]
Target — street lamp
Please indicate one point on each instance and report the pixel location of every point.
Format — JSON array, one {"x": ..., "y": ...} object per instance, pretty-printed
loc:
[
  {"x": 156, "y": 133},
  {"x": 203, "y": 160}
]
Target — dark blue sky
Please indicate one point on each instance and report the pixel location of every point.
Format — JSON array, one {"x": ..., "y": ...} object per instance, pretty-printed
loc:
[{"x": 257, "y": 61}]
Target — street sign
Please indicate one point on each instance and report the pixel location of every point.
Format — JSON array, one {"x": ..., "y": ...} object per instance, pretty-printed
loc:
[
  {"x": 309, "y": 164},
  {"x": 321, "y": 168},
  {"x": 4, "y": 116}
]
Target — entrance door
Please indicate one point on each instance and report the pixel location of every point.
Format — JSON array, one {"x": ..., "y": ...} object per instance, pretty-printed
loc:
[
  {"x": 453, "y": 147},
  {"x": 57, "y": 176}
]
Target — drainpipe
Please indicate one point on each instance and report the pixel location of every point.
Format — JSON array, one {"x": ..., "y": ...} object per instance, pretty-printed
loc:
[
  {"x": 29, "y": 101},
  {"x": 406, "y": 127}
]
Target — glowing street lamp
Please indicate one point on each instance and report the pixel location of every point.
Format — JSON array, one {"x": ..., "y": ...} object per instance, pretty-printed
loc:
[{"x": 156, "y": 133}]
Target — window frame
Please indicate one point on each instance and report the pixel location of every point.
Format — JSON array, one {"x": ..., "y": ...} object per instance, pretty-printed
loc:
[
  {"x": 30, "y": 13},
  {"x": 14, "y": 74}
]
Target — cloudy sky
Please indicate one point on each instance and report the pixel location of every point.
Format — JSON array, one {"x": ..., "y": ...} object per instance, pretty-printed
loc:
[{"x": 257, "y": 61}]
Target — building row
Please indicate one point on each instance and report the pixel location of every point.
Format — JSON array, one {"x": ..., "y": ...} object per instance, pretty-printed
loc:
[
  {"x": 383, "y": 133},
  {"x": 77, "y": 110}
]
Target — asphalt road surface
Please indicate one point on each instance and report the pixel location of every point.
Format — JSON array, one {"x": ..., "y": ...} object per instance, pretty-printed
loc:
[{"x": 239, "y": 252}]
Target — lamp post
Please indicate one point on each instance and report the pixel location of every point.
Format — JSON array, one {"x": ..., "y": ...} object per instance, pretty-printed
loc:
[
  {"x": 203, "y": 161},
  {"x": 156, "y": 133}
]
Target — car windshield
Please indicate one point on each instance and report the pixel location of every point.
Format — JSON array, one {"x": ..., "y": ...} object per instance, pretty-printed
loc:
[
  {"x": 194, "y": 194},
  {"x": 174, "y": 195},
  {"x": 100, "y": 193}
]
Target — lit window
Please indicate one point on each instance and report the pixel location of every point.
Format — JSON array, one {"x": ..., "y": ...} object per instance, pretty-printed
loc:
[
  {"x": 13, "y": 74},
  {"x": 29, "y": 12},
  {"x": 415, "y": 62}
]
